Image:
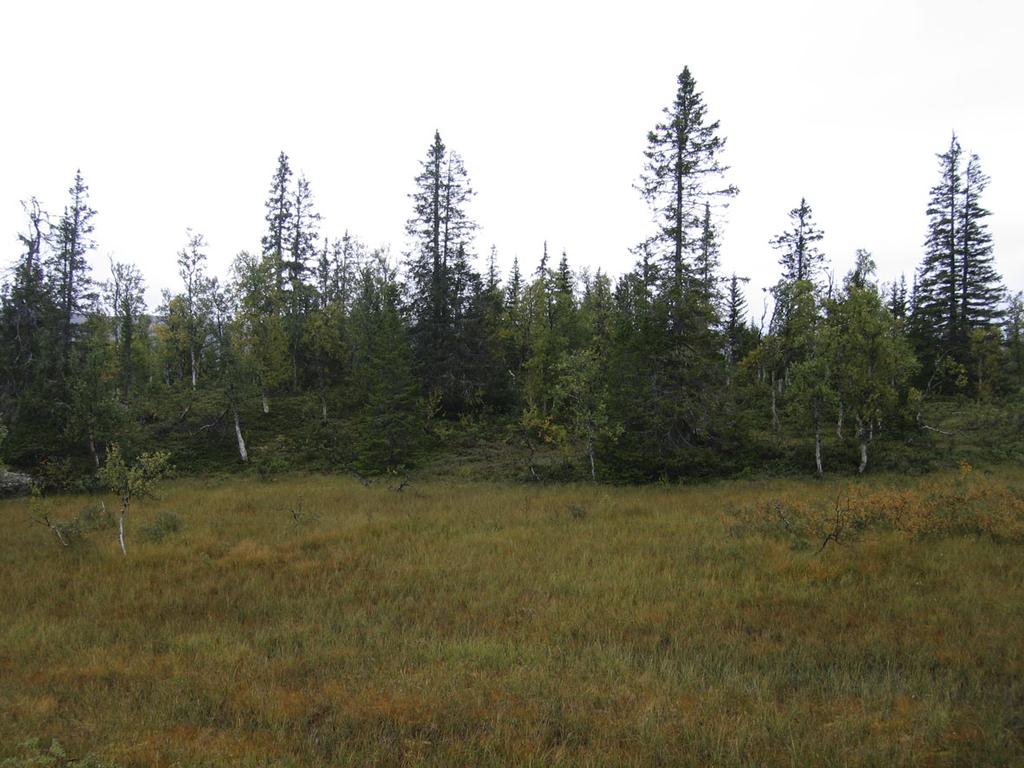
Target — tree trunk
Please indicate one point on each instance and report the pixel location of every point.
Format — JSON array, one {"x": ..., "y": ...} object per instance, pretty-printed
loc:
[
  {"x": 817, "y": 439},
  {"x": 242, "y": 453},
  {"x": 120, "y": 525},
  {"x": 775, "y": 412},
  {"x": 864, "y": 436},
  {"x": 92, "y": 451},
  {"x": 266, "y": 402},
  {"x": 590, "y": 453},
  {"x": 839, "y": 422},
  {"x": 192, "y": 360},
  {"x": 323, "y": 409}
]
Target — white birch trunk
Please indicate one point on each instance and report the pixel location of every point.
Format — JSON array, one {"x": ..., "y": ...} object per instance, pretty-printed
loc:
[
  {"x": 266, "y": 402},
  {"x": 192, "y": 360},
  {"x": 865, "y": 436},
  {"x": 775, "y": 412},
  {"x": 242, "y": 453},
  {"x": 120, "y": 526},
  {"x": 817, "y": 440}
]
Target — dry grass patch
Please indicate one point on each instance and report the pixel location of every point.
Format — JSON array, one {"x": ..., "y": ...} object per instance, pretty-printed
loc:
[{"x": 312, "y": 621}]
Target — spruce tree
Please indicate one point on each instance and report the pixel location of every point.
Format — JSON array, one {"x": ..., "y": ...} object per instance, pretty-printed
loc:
[
  {"x": 958, "y": 292},
  {"x": 30, "y": 345},
  {"x": 683, "y": 173},
  {"x": 72, "y": 241},
  {"x": 441, "y": 281},
  {"x": 937, "y": 300},
  {"x": 388, "y": 411},
  {"x": 737, "y": 332},
  {"x": 297, "y": 296},
  {"x": 705, "y": 272},
  {"x": 302, "y": 234},
  {"x": 279, "y": 219},
  {"x": 800, "y": 257},
  {"x": 981, "y": 291}
]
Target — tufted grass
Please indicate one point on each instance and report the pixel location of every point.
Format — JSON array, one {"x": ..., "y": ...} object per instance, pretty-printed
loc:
[{"x": 312, "y": 621}]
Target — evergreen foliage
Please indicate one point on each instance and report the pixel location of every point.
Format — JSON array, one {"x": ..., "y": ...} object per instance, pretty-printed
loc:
[
  {"x": 324, "y": 353},
  {"x": 958, "y": 293}
]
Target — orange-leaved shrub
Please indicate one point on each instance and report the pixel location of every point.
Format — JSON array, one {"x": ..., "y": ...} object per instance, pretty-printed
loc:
[{"x": 967, "y": 503}]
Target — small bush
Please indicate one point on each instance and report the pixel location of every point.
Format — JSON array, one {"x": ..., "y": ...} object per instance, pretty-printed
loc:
[
  {"x": 165, "y": 524},
  {"x": 969, "y": 504},
  {"x": 272, "y": 459},
  {"x": 95, "y": 517},
  {"x": 31, "y": 754}
]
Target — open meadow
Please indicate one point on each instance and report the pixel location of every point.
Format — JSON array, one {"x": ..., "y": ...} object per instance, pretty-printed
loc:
[{"x": 313, "y": 621}]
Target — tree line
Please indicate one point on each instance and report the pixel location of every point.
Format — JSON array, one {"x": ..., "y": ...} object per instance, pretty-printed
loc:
[{"x": 336, "y": 355}]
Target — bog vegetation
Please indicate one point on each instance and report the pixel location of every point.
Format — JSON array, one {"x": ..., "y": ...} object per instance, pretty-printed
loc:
[
  {"x": 317, "y": 621},
  {"x": 388, "y": 608}
]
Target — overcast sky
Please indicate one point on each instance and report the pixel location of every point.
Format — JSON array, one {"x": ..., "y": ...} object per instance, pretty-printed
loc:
[{"x": 176, "y": 112}]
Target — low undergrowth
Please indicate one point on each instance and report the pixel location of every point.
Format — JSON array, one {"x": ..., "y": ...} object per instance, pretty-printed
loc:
[
  {"x": 967, "y": 503},
  {"x": 315, "y": 621}
]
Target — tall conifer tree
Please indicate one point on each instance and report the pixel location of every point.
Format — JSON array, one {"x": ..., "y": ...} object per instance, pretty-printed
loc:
[{"x": 683, "y": 172}]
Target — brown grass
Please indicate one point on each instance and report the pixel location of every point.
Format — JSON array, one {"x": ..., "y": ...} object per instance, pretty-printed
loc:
[{"x": 471, "y": 624}]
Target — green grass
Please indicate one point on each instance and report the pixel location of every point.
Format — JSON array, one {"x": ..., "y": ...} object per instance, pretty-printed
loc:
[{"x": 475, "y": 624}]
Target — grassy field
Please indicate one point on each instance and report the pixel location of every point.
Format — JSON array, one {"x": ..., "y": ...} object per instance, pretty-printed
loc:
[{"x": 312, "y": 621}]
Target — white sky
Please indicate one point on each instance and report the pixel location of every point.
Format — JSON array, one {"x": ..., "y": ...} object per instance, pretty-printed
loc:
[{"x": 175, "y": 112}]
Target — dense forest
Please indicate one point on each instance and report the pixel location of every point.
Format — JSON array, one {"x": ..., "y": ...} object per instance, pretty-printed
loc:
[{"x": 323, "y": 353}]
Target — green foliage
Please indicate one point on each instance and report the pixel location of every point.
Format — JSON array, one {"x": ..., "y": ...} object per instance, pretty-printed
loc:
[
  {"x": 31, "y": 754},
  {"x": 95, "y": 517},
  {"x": 166, "y": 524},
  {"x": 318, "y": 354},
  {"x": 272, "y": 459},
  {"x": 958, "y": 290},
  {"x": 137, "y": 479}
]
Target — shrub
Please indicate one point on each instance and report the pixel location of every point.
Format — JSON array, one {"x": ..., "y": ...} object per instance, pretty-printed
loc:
[
  {"x": 95, "y": 517},
  {"x": 968, "y": 504},
  {"x": 32, "y": 754},
  {"x": 165, "y": 524}
]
